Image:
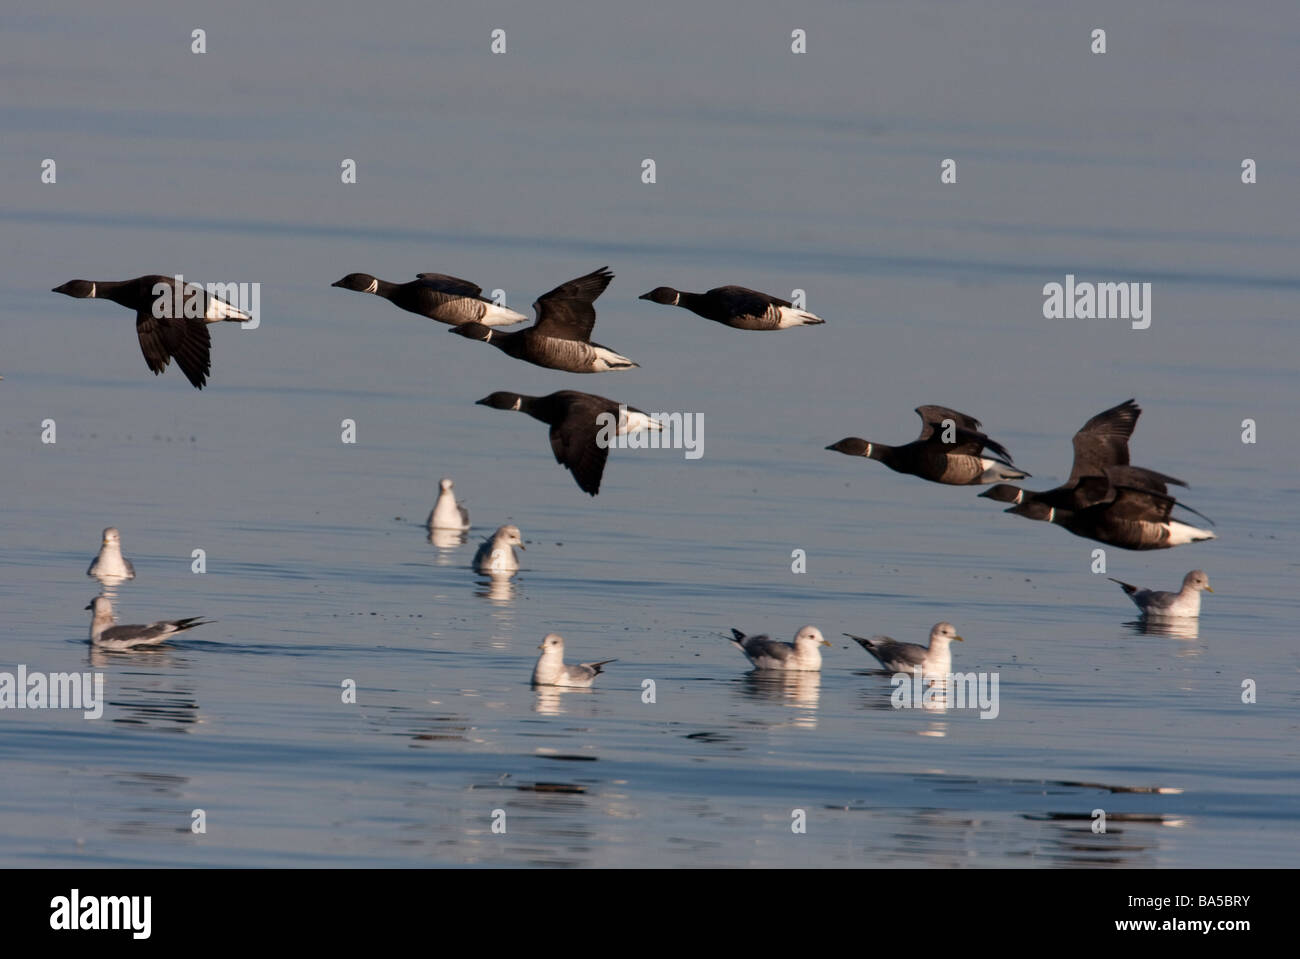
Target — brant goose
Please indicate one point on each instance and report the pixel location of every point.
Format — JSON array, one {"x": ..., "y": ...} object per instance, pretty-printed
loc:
[
  {"x": 737, "y": 307},
  {"x": 551, "y": 671},
  {"x": 1101, "y": 445},
  {"x": 1131, "y": 518},
  {"x": 108, "y": 636},
  {"x": 574, "y": 419},
  {"x": 932, "y": 660},
  {"x": 183, "y": 338},
  {"x": 495, "y": 555},
  {"x": 957, "y": 463},
  {"x": 109, "y": 565},
  {"x": 446, "y": 299},
  {"x": 447, "y": 513},
  {"x": 561, "y": 337},
  {"x": 1186, "y": 603},
  {"x": 802, "y": 654}
]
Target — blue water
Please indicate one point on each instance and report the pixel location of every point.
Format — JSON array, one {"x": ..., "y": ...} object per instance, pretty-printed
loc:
[{"x": 819, "y": 172}]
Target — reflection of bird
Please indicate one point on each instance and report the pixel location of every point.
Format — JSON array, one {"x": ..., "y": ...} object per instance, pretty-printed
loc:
[
  {"x": 181, "y": 332},
  {"x": 1158, "y": 603},
  {"x": 110, "y": 564},
  {"x": 947, "y": 451},
  {"x": 577, "y": 422},
  {"x": 934, "y": 660},
  {"x": 737, "y": 307},
  {"x": 1100, "y": 446},
  {"x": 496, "y": 554},
  {"x": 551, "y": 671},
  {"x": 1130, "y": 518},
  {"x": 108, "y": 636},
  {"x": 447, "y": 513},
  {"x": 561, "y": 337},
  {"x": 765, "y": 653},
  {"x": 446, "y": 299}
]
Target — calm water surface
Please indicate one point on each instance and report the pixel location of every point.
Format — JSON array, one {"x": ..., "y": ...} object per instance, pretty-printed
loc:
[{"x": 775, "y": 171}]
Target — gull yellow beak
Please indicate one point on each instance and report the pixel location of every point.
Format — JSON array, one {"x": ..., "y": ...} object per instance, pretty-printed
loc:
[
  {"x": 825, "y": 641},
  {"x": 959, "y": 639},
  {"x": 539, "y": 645},
  {"x": 1208, "y": 590}
]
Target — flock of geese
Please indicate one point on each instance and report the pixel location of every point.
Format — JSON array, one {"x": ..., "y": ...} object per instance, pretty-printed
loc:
[{"x": 1105, "y": 498}]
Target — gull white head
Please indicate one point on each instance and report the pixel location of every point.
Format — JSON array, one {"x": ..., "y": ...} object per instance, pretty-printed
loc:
[
  {"x": 809, "y": 638},
  {"x": 944, "y": 633},
  {"x": 112, "y": 537},
  {"x": 552, "y": 645},
  {"x": 444, "y": 484},
  {"x": 1197, "y": 580},
  {"x": 509, "y": 536}
]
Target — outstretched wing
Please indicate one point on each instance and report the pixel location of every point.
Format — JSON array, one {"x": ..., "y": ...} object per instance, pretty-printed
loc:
[
  {"x": 568, "y": 311},
  {"x": 186, "y": 338},
  {"x": 967, "y": 438},
  {"x": 1103, "y": 441},
  {"x": 451, "y": 285},
  {"x": 573, "y": 441}
]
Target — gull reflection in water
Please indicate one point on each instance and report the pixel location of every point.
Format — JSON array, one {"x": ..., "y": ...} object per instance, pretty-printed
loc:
[
  {"x": 799, "y": 689},
  {"x": 550, "y": 699},
  {"x": 496, "y": 588},
  {"x": 447, "y": 541},
  {"x": 1177, "y": 627}
]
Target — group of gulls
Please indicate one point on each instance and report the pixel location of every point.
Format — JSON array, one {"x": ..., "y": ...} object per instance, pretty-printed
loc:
[
  {"x": 1105, "y": 498},
  {"x": 110, "y": 567}
]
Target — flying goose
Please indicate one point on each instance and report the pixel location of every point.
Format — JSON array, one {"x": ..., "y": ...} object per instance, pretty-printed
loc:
[
  {"x": 109, "y": 564},
  {"x": 933, "y": 660},
  {"x": 1101, "y": 444},
  {"x": 496, "y": 555},
  {"x": 446, "y": 512},
  {"x": 108, "y": 636},
  {"x": 561, "y": 337},
  {"x": 577, "y": 422},
  {"x": 737, "y": 307},
  {"x": 167, "y": 336},
  {"x": 1131, "y": 518},
  {"x": 447, "y": 299},
  {"x": 955, "y": 463},
  {"x": 551, "y": 671},
  {"x": 803, "y": 654},
  {"x": 1186, "y": 603}
]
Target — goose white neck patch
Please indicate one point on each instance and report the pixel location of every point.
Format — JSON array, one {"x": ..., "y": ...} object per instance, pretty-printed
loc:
[{"x": 373, "y": 287}]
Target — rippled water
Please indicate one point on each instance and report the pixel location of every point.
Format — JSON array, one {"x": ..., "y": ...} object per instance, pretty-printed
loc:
[{"x": 775, "y": 171}]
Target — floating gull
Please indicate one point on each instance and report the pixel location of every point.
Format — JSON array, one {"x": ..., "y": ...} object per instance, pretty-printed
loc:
[
  {"x": 109, "y": 565},
  {"x": 767, "y": 653},
  {"x": 1186, "y": 603},
  {"x": 106, "y": 635},
  {"x": 949, "y": 450},
  {"x": 561, "y": 337},
  {"x": 737, "y": 307},
  {"x": 496, "y": 554},
  {"x": 551, "y": 671},
  {"x": 932, "y": 660},
  {"x": 447, "y": 513}
]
